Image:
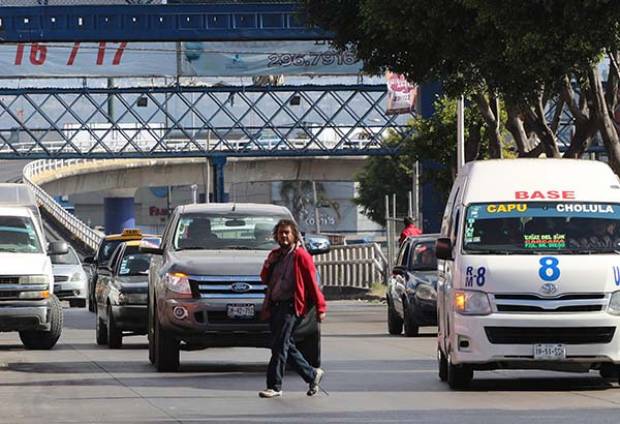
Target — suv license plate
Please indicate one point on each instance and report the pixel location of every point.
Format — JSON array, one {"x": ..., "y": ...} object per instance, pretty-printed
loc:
[
  {"x": 240, "y": 311},
  {"x": 549, "y": 352}
]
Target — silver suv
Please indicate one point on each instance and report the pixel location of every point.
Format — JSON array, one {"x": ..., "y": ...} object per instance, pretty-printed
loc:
[{"x": 204, "y": 284}]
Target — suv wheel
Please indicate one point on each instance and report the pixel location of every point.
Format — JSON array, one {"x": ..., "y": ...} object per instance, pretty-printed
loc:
[
  {"x": 459, "y": 376},
  {"x": 310, "y": 347},
  {"x": 442, "y": 365},
  {"x": 165, "y": 347},
  {"x": 115, "y": 334},
  {"x": 43, "y": 340},
  {"x": 395, "y": 323},
  {"x": 409, "y": 322}
]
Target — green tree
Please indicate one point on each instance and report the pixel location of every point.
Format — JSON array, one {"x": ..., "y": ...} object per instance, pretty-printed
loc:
[
  {"x": 522, "y": 52},
  {"x": 433, "y": 141}
]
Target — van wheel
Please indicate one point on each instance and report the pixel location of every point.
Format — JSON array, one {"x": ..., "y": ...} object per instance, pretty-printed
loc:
[
  {"x": 115, "y": 334},
  {"x": 166, "y": 349},
  {"x": 395, "y": 323},
  {"x": 411, "y": 326},
  {"x": 442, "y": 365},
  {"x": 310, "y": 347},
  {"x": 101, "y": 331},
  {"x": 459, "y": 376},
  {"x": 44, "y": 340}
]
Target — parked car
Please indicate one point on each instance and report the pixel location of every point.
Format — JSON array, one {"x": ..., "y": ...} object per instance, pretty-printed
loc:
[
  {"x": 204, "y": 283},
  {"x": 411, "y": 291},
  {"x": 70, "y": 279},
  {"x": 100, "y": 260},
  {"x": 120, "y": 293}
]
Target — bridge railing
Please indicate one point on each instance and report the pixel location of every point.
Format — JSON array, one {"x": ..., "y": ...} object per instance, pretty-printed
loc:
[
  {"x": 357, "y": 266},
  {"x": 75, "y": 226}
]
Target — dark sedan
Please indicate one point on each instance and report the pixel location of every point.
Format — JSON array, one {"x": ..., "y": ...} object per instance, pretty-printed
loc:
[
  {"x": 121, "y": 293},
  {"x": 411, "y": 292}
]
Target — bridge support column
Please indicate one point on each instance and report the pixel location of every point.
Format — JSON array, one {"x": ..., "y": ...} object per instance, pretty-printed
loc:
[
  {"x": 432, "y": 205},
  {"x": 217, "y": 165},
  {"x": 119, "y": 210}
]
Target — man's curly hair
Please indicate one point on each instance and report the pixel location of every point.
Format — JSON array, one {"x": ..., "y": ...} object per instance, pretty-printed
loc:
[{"x": 286, "y": 223}]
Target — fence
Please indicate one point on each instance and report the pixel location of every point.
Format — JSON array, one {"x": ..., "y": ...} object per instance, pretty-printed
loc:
[
  {"x": 83, "y": 232},
  {"x": 357, "y": 266}
]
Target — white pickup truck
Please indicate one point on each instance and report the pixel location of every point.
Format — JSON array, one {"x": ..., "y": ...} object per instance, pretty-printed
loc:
[{"x": 27, "y": 301}]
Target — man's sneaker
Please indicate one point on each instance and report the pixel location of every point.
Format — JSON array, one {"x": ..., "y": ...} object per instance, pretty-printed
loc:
[
  {"x": 269, "y": 393},
  {"x": 314, "y": 386}
]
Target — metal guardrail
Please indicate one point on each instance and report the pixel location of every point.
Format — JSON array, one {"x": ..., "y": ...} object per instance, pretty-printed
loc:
[
  {"x": 357, "y": 266},
  {"x": 83, "y": 232}
]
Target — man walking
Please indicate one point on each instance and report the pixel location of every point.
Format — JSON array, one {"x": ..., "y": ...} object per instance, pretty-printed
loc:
[
  {"x": 409, "y": 230},
  {"x": 290, "y": 275}
]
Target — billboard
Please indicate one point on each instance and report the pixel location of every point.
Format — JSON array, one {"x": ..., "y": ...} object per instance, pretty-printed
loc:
[{"x": 401, "y": 95}]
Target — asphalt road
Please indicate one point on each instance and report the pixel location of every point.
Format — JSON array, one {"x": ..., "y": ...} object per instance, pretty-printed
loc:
[{"x": 371, "y": 377}]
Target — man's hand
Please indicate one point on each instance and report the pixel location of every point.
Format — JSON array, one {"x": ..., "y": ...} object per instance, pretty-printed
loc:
[{"x": 322, "y": 316}]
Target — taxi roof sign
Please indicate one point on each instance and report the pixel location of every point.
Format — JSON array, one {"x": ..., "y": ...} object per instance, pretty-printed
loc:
[{"x": 131, "y": 232}]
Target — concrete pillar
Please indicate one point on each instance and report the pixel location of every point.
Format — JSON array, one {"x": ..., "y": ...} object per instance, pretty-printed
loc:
[
  {"x": 432, "y": 205},
  {"x": 119, "y": 210},
  {"x": 217, "y": 165}
]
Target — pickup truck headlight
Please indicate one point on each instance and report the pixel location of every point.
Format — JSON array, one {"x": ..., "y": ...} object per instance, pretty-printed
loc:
[
  {"x": 469, "y": 302},
  {"x": 425, "y": 292},
  {"x": 177, "y": 282},
  {"x": 34, "y": 280},
  {"x": 614, "y": 303}
]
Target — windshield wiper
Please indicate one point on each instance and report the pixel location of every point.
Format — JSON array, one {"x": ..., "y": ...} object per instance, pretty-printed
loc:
[
  {"x": 238, "y": 247},
  {"x": 192, "y": 248}
]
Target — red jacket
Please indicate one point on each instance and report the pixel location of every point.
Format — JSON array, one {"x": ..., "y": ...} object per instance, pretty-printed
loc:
[
  {"x": 307, "y": 291},
  {"x": 410, "y": 230}
]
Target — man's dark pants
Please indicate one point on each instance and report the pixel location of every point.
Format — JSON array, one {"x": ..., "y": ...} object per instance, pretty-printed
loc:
[{"x": 283, "y": 349}]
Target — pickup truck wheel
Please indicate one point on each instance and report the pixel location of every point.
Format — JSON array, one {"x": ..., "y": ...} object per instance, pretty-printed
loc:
[
  {"x": 115, "y": 334},
  {"x": 44, "y": 340},
  {"x": 395, "y": 323},
  {"x": 409, "y": 323},
  {"x": 310, "y": 347},
  {"x": 166, "y": 349},
  {"x": 149, "y": 335},
  {"x": 101, "y": 331},
  {"x": 459, "y": 376}
]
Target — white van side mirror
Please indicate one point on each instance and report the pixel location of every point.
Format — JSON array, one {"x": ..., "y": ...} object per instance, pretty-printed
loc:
[{"x": 443, "y": 249}]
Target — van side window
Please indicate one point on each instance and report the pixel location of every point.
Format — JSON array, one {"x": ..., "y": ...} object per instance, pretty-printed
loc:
[{"x": 455, "y": 227}]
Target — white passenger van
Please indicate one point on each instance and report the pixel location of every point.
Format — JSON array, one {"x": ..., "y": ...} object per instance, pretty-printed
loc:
[
  {"x": 529, "y": 270},
  {"x": 27, "y": 302}
]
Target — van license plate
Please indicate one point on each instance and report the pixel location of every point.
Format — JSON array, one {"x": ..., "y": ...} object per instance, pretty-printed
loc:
[
  {"x": 549, "y": 352},
  {"x": 240, "y": 311}
]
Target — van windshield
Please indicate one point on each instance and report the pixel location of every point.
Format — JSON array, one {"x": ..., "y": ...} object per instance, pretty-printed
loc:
[
  {"x": 18, "y": 235},
  {"x": 542, "y": 227}
]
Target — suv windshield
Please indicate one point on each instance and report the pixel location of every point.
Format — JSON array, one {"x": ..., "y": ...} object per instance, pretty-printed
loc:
[
  {"x": 225, "y": 231},
  {"x": 17, "y": 235},
  {"x": 577, "y": 228}
]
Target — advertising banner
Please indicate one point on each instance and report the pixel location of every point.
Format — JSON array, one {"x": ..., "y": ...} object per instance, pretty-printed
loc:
[
  {"x": 103, "y": 59},
  {"x": 254, "y": 58},
  {"x": 401, "y": 96}
]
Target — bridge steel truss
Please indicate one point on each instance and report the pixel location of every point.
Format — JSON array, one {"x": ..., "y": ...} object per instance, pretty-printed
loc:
[{"x": 175, "y": 121}]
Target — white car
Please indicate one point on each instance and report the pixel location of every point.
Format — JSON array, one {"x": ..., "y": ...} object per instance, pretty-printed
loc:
[{"x": 70, "y": 280}]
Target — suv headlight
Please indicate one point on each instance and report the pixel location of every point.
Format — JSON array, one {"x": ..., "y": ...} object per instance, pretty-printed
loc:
[
  {"x": 34, "y": 279},
  {"x": 469, "y": 302},
  {"x": 177, "y": 282},
  {"x": 614, "y": 303},
  {"x": 425, "y": 292},
  {"x": 76, "y": 277}
]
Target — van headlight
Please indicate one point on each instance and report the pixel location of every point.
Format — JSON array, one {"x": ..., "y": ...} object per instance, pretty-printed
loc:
[
  {"x": 177, "y": 282},
  {"x": 469, "y": 302},
  {"x": 614, "y": 303},
  {"x": 34, "y": 279},
  {"x": 425, "y": 292}
]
